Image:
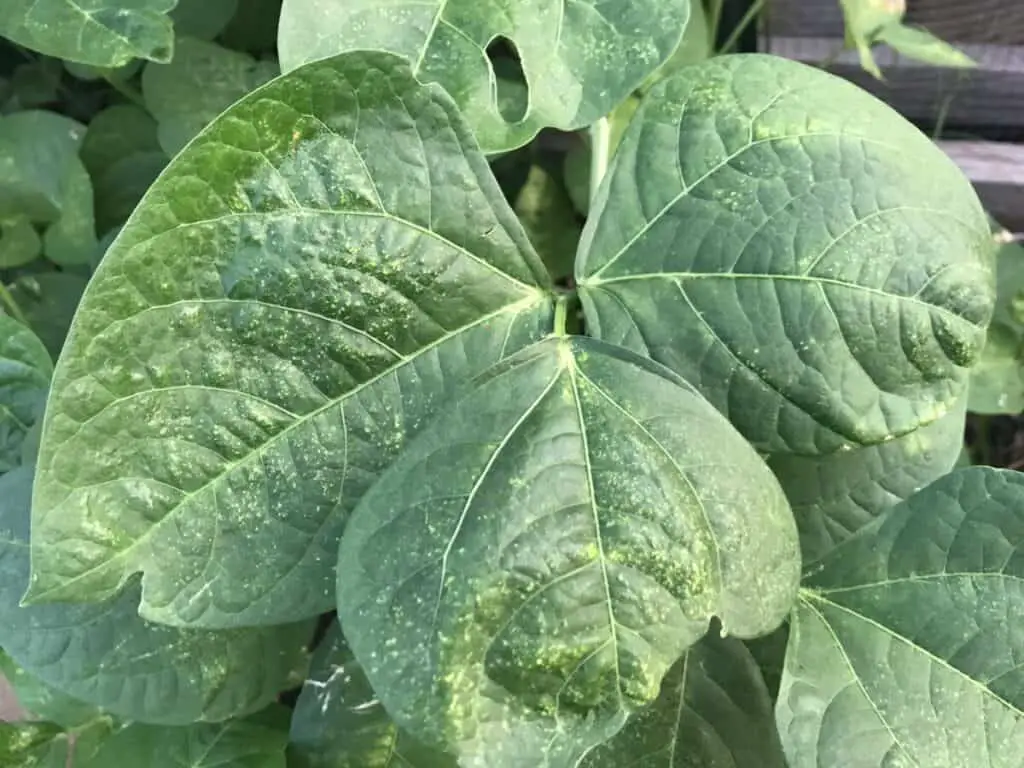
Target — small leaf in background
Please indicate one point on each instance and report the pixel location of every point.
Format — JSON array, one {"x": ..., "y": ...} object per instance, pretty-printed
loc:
[
  {"x": 770, "y": 653},
  {"x": 205, "y": 19},
  {"x": 339, "y": 722},
  {"x": 696, "y": 46},
  {"x": 72, "y": 238},
  {"x": 906, "y": 643},
  {"x": 34, "y": 84},
  {"x": 103, "y": 33},
  {"x": 36, "y": 149},
  {"x": 19, "y": 242},
  {"x": 105, "y": 655},
  {"x": 25, "y": 371},
  {"x": 45, "y": 702},
  {"x": 235, "y": 744},
  {"x": 200, "y": 83},
  {"x": 524, "y": 575},
  {"x": 579, "y": 61},
  {"x": 835, "y": 495},
  {"x": 548, "y": 216},
  {"x": 881, "y": 21},
  {"x": 714, "y": 710},
  {"x": 997, "y": 380},
  {"x": 48, "y": 300}
]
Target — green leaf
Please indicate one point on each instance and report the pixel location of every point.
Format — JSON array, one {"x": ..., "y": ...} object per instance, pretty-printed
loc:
[
  {"x": 577, "y": 159},
  {"x": 339, "y": 723},
  {"x": 104, "y": 33},
  {"x": 714, "y": 710},
  {"x": 696, "y": 46},
  {"x": 525, "y": 574},
  {"x": 107, "y": 656},
  {"x": 579, "y": 61},
  {"x": 48, "y": 300},
  {"x": 34, "y": 84},
  {"x": 33, "y": 745},
  {"x": 920, "y": 44},
  {"x": 547, "y": 214},
  {"x": 200, "y": 83},
  {"x": 236, "y": 744},
  {"x": 254, "y": 28},
  {"x": 72, "y": 239},
  {"x": 906, "y": 643},
  {"x": 302, "y": 288},
  {"x": 25, "y": 371},
  {"x": 203, "y": 19},
  {"x": 19, "y": 242},
  {"x": 794, "y": 248},
  {"x": 36, "y": 149},
  {"x": 46, "y": 702},
  {"x": 836, "y": 495}
]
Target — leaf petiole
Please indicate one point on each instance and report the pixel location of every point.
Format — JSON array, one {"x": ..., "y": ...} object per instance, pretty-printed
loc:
[
  {"x": 12, "y": 306},
  {"x": 600, "y": 147}
]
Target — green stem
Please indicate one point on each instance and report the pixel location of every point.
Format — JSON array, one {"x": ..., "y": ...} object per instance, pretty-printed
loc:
[
  {"x": 600, "y": 148},
  {"x": 752, "y": 12},
  {"x": 715, "y": 18},
  {"x": 561, "y": 313},
  {"x": 12, "y": 305}
]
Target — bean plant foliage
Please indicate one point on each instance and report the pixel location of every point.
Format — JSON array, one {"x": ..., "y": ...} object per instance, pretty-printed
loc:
[{"x": 343, "y": 422}]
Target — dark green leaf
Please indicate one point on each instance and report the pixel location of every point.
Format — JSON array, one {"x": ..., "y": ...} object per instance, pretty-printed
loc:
[
  {"x": 298, "y": 293},
  {"x": 254, "y": 27},
  {"x": 906, "y": 643},
  {"x": 19, "y": 242},
  {"x": 106, "y": 655},
  {"x": 36, "y": 149},
  {"x": 714, "y": 711},
  {"x": 25, "y": 371},
  {"x": 579, "y": 60},
  {"x": 836, "y": 495},
  {"x": 200, "y": 83},
  {"x": 547, "y": 214},
  {"x": 796, "y": 249},
  {"x": 48, "y": 300},
  {"x": 45, "y": 702},
  {"x": 34, "y": 84},
  {"x": 770, "y": 653},
  {"x": 237, "y": 744},
  {"x": 33, "y": 745},
  {"x": 104, "y": 33},
  {"x": 339, "y": 723},
  {"x": 525, "y": 574},
  {"x": 204, "y": 19}
]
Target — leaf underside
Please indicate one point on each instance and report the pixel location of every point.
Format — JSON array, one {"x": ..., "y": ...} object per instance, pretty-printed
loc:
[
  {"x": 795, "y": 249},
  {"x": 565, "y": 537},
  {"x": 906, "y": 643}
]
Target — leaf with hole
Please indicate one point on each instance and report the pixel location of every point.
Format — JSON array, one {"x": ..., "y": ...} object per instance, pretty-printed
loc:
[
  {"x": 565, "y": 537},
  {"x": 802, "y": 254}
]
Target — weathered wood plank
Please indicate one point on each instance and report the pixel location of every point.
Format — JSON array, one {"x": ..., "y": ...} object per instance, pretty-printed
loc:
[
  {"x": 991, "y": 95},
  {"x": 964, "y": 21},
  {"x": 997, "y": 172}
]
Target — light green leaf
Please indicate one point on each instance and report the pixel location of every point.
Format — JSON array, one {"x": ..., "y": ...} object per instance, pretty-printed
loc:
[
  {"x": 72, "y": 238},
  {"x": 48, "y": 300},
  {"x": 104, "y": 33},
  {"x": 906, "y": 643},
  {"x": 45, "y": 702},
  {"x": 25, "y": 371},
  {"x": 547, "y": 214},
  {"x": 794, "y": 248},
  {"x": 714, "y": 710},
  {"x": 200, "y": 83},
  {"x": 19, "y": 242},
  {"x": 107, "y": 656},
  {"x": 36, "y": 149},
  {"x": 920, "y": 44},
  {"x": 836, "y": 495},
  {"x": 339, "y": 723},
  {"x": 33, "y": 745},
  {"x": 525, "y": 574},
  {"x": 579, "y": 59},
  {"x": 236, "y": 744},
  {"x": 303, "y": 287},
  {"x": 203, "y": 19}
]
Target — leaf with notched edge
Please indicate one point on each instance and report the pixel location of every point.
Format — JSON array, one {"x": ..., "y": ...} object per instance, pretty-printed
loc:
[
  {"x": 306, "y": 283},
  {"x": 522, "y": 578}
]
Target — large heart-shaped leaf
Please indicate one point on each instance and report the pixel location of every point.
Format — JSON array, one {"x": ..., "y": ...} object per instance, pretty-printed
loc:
[
  {"x": 714, "y": 711},
  {"x": 906, "y": 644},
  {"x": 340, "y": 723},
  {"x": 525, "y": 574},
  {"x": 836, "y": 495},
  {"x": 103, "y": 33},
  {"x": 579, "y": 58},
  {"x": 25, "y": 371},
  {"x": 796, "y": 249},
  {"x": 106, "y": 655},
  {"x": 301, "y": 288}
]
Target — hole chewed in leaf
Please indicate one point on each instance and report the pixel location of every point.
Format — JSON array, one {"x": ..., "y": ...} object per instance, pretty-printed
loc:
[{"x": 511, "y": 89}]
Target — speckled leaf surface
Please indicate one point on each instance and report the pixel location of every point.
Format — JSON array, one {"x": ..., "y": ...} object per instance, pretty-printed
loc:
[
  {"x": 296, "y": 294},
  {"x": 714, "y": 711},
  {"x": 905, "y": 646},
  {"x": 836, "y": 495},
  {"x": 106, "y": 655},
  {"x": 103, "y": 33},
  {"x": 25, "y": 371},
  {"x": 794, "y": 248},
  {"x": 565, "y": 536},
  {"x": 339, "y": 722},
  {"x": 580, "y": 58}
]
